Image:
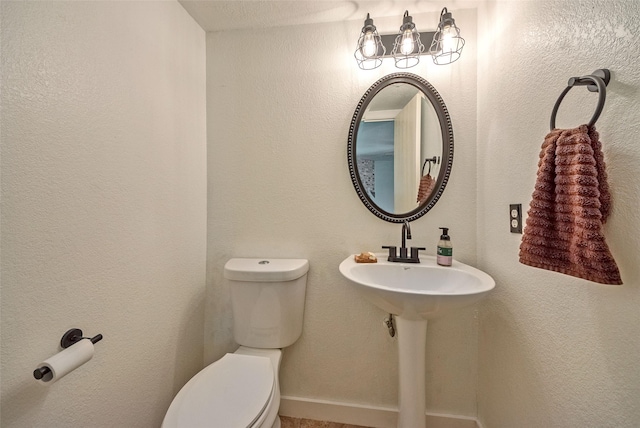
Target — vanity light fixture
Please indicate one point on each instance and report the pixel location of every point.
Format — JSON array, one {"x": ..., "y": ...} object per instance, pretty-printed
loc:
[
  {"x": 370, "y": 49},
  {"x": 406, "y": 47},
  {"x": 447, "y": 43}
]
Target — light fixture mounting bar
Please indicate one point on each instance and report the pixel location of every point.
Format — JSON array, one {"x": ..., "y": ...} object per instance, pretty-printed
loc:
[{"x": 388, "y": 40}]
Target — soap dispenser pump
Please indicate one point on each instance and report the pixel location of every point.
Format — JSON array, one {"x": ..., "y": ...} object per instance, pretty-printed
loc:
[{"x": 445, "y": 249}]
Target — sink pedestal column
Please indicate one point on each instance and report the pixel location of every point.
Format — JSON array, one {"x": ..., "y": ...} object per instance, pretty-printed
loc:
[{"x": 412, "y": 341}]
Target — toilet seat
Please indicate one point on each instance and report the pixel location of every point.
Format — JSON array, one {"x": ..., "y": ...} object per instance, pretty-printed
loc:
[{"x": 233, "y": 392}]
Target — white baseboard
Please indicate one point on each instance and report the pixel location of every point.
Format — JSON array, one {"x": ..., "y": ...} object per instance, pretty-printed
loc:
[{"x": 368, "y": 416}]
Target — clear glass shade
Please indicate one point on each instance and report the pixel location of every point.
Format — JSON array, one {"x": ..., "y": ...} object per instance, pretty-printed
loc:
[
  {"x": 447, "y": 44},
  {"x": 407, "y": 47},
  {"x": 370, "y": 50}
]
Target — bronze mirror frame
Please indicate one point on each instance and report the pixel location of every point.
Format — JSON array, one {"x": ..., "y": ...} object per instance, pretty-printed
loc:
[{"x": 447, "y": 145}]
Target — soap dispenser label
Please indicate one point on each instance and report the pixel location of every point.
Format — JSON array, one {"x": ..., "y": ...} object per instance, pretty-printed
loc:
[
  {"x": 445, "y": 252},
  {"x": 444, "y": 257}
]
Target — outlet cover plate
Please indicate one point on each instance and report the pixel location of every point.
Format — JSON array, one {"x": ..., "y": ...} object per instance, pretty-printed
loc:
[{"x": 515, "y": 218}]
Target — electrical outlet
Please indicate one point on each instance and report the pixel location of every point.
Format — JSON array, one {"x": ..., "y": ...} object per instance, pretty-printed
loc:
[{"x": 515, "y": 218}]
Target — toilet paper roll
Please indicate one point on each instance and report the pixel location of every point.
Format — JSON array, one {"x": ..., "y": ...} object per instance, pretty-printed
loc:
[{"x": 67, "y": 360}]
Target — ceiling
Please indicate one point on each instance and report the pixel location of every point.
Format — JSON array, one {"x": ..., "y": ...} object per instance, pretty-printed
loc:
[{"x": 220, "y": 15}]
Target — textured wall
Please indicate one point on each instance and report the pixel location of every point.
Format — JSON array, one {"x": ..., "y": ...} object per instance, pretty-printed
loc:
[
  {"x": 557, "y": 351},
  {"x": 279, "y": 109},
  {"x": 103, "y": 207}
]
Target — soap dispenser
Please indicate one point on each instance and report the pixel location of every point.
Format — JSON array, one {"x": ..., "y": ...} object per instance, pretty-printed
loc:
[{"x": 445, "y": 249}]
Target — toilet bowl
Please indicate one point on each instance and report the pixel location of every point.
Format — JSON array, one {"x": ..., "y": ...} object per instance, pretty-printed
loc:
[
  {"x": 239, "y": 390},
  {"x": 242, "y": 390}
]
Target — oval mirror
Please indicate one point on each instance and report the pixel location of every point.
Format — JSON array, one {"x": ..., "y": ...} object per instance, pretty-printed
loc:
[{"x": 400, "y": 147}]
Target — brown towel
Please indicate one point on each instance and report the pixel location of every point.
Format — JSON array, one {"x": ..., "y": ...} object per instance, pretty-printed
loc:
[
  {"x": 570, "y": 203},
  {"x": 427, "y": 183}
]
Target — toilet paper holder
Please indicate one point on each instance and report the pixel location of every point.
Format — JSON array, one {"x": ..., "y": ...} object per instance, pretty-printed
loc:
[{"x": 69, "y": 338}]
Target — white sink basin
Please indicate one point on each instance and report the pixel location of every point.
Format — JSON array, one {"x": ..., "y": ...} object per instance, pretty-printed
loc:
[{"x": 417, "y": 291}]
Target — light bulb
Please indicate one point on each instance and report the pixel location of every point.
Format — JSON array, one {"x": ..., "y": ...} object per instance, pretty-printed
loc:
[
  {"x": 406, "y": 44},
  {"x": 369, "y": 47},
  {"x": 448, "y": 39}
]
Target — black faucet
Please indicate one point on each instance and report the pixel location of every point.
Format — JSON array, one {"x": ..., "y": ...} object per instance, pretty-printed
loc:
[{"x": 413, "y": 257}]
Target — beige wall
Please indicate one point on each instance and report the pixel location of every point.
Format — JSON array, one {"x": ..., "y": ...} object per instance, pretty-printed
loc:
[
  {"x": 279, "y": 108},
  {"x": 556, "y": 351},
  {"x": 103, "y": 207}
]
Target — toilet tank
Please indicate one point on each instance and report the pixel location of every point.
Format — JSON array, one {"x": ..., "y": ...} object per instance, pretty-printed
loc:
[{"x": 267, "y": 297}]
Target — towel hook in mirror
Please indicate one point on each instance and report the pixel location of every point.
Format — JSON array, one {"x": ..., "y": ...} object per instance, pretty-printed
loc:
[{"x": 434, "y": 159}]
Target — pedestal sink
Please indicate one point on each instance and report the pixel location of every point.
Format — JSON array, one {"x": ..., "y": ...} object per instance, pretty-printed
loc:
[{"x": 415, "y": 293}]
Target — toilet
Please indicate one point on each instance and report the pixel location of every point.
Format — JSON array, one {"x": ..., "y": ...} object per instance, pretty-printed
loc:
[{"x": 241, "y": 390}]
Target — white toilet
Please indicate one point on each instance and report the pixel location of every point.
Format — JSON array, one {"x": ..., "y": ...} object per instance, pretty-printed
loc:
[{"x": 241, "y": 390}]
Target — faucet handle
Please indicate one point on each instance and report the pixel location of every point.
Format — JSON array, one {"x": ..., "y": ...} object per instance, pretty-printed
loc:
[
  {"x": 392, "y": 251},
  {"x": 414, "y": 252}
]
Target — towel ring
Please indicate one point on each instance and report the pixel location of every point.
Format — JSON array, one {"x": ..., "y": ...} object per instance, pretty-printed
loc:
[
  {"x": 434, "y": 159},
  {"x": 600, "y": 78}
]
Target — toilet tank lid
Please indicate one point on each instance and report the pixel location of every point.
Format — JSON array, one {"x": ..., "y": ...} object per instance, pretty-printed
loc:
[{"x": 265, "y": 270}]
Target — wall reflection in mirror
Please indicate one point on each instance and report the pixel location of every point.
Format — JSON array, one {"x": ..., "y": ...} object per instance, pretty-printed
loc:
[{"x": 398, "y": 142}]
